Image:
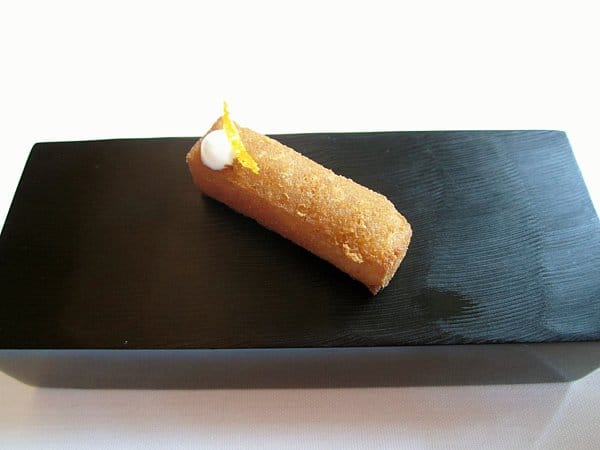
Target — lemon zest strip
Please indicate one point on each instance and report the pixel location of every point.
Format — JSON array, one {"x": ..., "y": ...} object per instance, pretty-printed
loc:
[{"x": 233, "y": 135}]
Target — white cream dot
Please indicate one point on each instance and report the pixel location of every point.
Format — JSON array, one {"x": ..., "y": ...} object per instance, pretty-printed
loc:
[{"x": 216, "y": 151}]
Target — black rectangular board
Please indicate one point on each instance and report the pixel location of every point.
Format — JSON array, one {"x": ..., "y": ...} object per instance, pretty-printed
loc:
[{"x": 108, "y": 245}]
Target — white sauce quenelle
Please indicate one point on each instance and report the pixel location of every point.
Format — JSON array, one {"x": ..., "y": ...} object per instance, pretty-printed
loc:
[{"x": 216, "y": 151}]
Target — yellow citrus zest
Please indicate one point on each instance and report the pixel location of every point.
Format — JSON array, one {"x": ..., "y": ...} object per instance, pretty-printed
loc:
[{"x": 233, "y": 135}]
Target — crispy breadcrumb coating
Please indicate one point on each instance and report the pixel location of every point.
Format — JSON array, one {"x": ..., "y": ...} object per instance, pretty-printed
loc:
[{"x": 343, "y": 222}]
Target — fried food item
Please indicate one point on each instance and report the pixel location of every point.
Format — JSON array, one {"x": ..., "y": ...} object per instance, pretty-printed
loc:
[{"x": 349, "y": 225}]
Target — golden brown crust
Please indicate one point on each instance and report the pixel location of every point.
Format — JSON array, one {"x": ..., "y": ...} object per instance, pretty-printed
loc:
[{"x": 349, "y": 225}]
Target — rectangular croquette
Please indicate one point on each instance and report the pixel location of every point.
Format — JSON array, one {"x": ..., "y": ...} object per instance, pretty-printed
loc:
[{"x": 343, "y": 222}]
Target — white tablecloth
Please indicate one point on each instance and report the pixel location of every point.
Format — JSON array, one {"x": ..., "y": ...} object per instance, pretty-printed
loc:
[
  {"x": 556, "y": 416},
  {"x": 86, "y": 70}
]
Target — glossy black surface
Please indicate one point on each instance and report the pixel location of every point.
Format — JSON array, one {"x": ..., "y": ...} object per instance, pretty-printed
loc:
[
  {"x": 437, "y": 365},
  {"x": 109, "y": 245}
]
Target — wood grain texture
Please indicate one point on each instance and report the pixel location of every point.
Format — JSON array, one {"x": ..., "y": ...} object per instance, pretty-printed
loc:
[{"x": 109, "y": 245}]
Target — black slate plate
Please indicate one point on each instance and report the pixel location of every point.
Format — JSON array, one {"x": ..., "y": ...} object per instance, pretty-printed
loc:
[{"x": 108, "y": 245}]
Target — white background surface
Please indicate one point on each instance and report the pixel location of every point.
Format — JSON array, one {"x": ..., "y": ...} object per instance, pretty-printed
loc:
[{"x": 88, "y": 70}]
